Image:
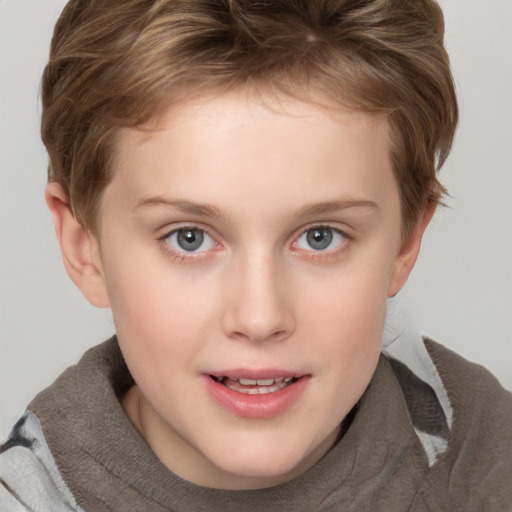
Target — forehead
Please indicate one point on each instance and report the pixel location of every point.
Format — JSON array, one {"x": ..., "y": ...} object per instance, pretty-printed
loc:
[
  {"x": 253, "y": 142},
  {"x": 246, "y": 107}
]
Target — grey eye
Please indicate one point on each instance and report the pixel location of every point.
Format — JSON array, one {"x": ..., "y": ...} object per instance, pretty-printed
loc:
[
  {"x": 320, "y": 238},
  {"x": 190, "y": 240}
]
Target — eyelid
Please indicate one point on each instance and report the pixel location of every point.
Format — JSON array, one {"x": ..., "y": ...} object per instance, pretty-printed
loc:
[
  {"x": 183, "y": 255},
  {"x": 168, "y": 230},
  {"x": 335, "y": 226},
  {"x": 327, "y": 253}
]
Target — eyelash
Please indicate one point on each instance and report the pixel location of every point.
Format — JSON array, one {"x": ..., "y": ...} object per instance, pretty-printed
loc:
[
  {"x": 184, "y": 257},
  {"x": 328, "y": 254},
  {"x": 321, "y": 255}
]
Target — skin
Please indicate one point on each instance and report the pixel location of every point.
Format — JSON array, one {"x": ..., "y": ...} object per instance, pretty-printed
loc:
[{"x": 256, "y": 294}]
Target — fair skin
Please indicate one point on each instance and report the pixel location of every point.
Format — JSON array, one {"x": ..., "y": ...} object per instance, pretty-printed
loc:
[{"x": 246, "y": 239}]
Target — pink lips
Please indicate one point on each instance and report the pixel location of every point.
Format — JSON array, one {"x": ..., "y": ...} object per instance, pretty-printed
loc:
[{"x": 252, "y": 404}]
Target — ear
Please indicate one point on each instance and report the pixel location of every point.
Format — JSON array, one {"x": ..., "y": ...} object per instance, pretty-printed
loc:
[
  {"x": 408, "y": 254},
  {"x": 79, "y": 248}
]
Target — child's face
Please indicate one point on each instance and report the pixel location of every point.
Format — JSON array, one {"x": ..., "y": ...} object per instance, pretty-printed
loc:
[{"x": 250, "y": 240}]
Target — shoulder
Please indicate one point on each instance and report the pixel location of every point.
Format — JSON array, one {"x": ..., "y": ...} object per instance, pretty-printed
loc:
[
  {"x": 29, "y": 478},
  {"x": 476, "y": 395},
  {"x": 477, "y": 466}
]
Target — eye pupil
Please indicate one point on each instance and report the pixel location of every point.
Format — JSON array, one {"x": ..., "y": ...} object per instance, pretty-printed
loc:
[
  {"x": 190, "y": 239},
  {"x": 319, "y": 238}
]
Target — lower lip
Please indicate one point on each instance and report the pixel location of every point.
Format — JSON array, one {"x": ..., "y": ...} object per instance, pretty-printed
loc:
[{"x": 256, "y": 406}]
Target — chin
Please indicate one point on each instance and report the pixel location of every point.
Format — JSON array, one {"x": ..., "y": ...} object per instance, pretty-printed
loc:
[
  {"x": 260, "y": 465},
  {"x": 246, "y": 476}
]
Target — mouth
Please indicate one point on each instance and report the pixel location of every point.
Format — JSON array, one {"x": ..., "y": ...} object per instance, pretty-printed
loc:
[
  {"x": 255, "y": 386},
  {"x": 255, "y": 394}
]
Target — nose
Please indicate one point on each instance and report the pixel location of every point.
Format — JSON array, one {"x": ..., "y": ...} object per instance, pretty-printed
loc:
[{"x": 260, "y": 303}]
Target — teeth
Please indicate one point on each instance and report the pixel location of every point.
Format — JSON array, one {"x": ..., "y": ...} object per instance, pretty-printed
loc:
[
  {"x": 249, "y": 382},
  {"x": 255, "y": 386},
  {"x": 261, "y": 390},
  {"x": 265, "y": 382}
]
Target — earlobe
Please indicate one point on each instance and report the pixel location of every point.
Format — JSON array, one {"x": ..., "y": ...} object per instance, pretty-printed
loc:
[
  {"x": 408, "y": 254},
  {"x": 79, "y": 248}
]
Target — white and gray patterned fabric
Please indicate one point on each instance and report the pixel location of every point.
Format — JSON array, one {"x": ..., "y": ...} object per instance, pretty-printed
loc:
[
  {"x": 420, "y": 381},
  {"x": 29, "y": 478}
]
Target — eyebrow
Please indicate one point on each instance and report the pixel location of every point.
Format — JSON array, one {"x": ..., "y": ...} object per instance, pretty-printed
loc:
[
  {"x": 183, "y": 205},
  {"x": 336, "y": 205},
  {"x": 207, "y": 210}
]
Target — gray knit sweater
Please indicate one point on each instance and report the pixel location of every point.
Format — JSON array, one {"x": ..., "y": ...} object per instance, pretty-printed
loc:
[{"x": 442, "y": 442}]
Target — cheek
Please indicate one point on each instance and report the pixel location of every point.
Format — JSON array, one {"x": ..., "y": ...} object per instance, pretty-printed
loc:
[
  {"x": 342, "y": 333},
  {"x": 347, "y": 316},
  {"x": 163, "y": 318},
  {"x": 353, "y": 300}
]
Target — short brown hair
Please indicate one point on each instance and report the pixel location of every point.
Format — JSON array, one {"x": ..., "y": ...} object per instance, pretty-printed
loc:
[{"x": 115, "y": 64}]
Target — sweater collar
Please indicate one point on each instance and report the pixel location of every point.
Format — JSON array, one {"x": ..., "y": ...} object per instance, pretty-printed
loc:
[{"x": 106, "y": 463}]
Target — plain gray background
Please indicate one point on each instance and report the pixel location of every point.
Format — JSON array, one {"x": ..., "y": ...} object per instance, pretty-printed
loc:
[{"x": 460, "y": 291}]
